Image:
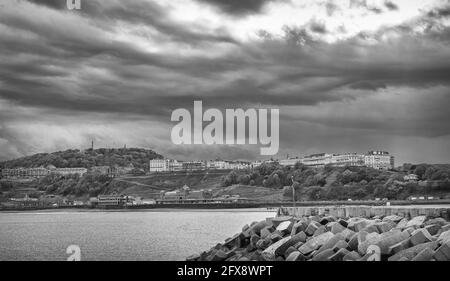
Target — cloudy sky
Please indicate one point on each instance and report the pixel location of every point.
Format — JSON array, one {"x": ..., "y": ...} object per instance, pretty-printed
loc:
[{"x": 346, "y": 75}]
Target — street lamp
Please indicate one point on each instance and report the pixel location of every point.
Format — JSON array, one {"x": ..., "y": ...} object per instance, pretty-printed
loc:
[{"x": 293, "y": 191}]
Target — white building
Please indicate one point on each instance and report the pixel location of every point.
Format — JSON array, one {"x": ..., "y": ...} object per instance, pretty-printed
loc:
[
  {"x": 69, "y": 171},
  {"x": 165, "y": 165},
  {"x": 380, "y": 160},
  {"x": 159, "y": 165},
  {"x": 375, "y": 159},
  {"x": 289, "y": 161},
  {"x": 217, "y": 164},
  {"x": 255, "y": 164},
  {"x": 317, "y": 160},
  {"x": 411, "y": 177},
  {"x": 347, "y": 159}
]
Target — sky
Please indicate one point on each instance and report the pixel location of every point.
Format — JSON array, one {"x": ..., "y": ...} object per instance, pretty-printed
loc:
[{"x": 346, "y": 76}]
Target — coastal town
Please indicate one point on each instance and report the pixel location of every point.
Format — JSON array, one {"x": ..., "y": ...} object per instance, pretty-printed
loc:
[
  {"x": 183, "y": 193},
  {"x": 374, "y": 159}
]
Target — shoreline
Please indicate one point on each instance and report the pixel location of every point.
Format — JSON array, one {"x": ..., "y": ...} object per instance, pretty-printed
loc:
[
  {"x": 252, "y": 205},
  {"x": 156, "y": 210},
  {"x": 219, "y": 209}
]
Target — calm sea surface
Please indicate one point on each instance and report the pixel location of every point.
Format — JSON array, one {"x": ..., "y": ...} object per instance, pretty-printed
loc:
[{"x": 119, "y": 235}]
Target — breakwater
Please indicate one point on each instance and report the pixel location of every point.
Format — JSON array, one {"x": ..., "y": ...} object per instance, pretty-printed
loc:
[
  {"x": 367, "y": 211},
  {"x": 341, "y": 233}
]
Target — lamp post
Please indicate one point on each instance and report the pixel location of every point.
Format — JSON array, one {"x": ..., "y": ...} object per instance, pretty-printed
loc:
[{"x": 293, "y": 192}]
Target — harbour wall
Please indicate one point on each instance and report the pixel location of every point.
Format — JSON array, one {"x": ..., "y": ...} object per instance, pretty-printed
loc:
[{"x": 367, "y": 211}]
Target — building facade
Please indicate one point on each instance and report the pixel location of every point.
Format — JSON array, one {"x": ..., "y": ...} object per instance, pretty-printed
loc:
[
  {"x": 289, "y": 161},
  {"x": 169, "y": 165},
  {"x": 317, "y": 160},
  {"x": 380, "y": 160},
  {"x": 111, "y": 200},
  {"x": 347, "y": 159},
  {"x": 69, "y": 171},
  {"x": 25, "y": 172},
  {"x": 165, "y": 165},
  {"x": 40, "y": 172}
]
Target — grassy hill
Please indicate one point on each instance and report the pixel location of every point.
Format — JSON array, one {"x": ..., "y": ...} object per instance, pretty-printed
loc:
[{"x": 138, "y": 157}]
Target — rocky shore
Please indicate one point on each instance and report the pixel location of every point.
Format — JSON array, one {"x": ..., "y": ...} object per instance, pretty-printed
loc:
[{"x": 331, "y": 238}]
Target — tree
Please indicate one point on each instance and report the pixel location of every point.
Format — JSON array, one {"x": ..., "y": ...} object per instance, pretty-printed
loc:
[
  {"x": 429, "y": 172},
  {"x": 420, "y": 170},
  {"x": 6, "y": 185}
]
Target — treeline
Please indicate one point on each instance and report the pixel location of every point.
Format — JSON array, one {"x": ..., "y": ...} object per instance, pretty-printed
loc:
[
  {"x": 429, "y": 172},
  {"x": 88, "y": 184},
  {"x": 342, "y": 183},
  {"x": 137, "y": 157}
]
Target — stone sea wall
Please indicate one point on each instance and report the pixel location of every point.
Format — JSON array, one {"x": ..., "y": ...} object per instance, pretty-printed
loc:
[{"x": 340, "y": 234}]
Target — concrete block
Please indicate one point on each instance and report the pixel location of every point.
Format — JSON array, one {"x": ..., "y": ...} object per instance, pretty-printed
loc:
[
  {"x": 285, "y": 227},
  {"x": 425, "y": 255},
  {"x": 320, "y": 230},
  {"x": 400, "y": 246},
  {"x": 402, "y": 223},
  {"x": 324, "y": 255},
  {"x": 295, "y": 256},
  {"x": 443, "y": 252},
  {"x": 269, "y": 254},
  {"x": 277, "y": 220},
  {"x": 420, "y": 236},
  {"x": 339, "y": 255},
  {"x": 300, "y": 237},
  {"x": 445, "y": 227},
  {"x": 411, "y": 252},
  {"x": 290, "y": 250},
  {"x": 357, "y": 225},
  {"x": 348, "y": 234},
  {"x": 371, "y": 228},
  {"x": 393, "y": 218},
  {"x": 343, "y": 222},
  {"x": 266, "y": 232},
  {"x": 416, "y": 221},
  {"x": 315, "y": 242},
  {"x": 433, "y": 228},
  {"x": 312, "y": 227},
  {"x": 385, "y": 226},
  {"x": 275, "y": 236},
  {"x": 298, "y": 227},
  {"x": 444, "y": 237},
  {"x": 351, "y": 256},
  {"x": 332, "y": 242},
  {"x": 340, "y": 245}
]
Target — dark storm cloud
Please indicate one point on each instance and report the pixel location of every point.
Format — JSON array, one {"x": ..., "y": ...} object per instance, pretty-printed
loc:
[
  {"x": 67, "y": 64},
  {"x": 137, "y": 12},
  {"x": 365, "y": 85},
  {"x": 307, "y": 75},
  {"x": 440, "y": 12},
  {"x": 239, "y": 7},
  {"x": 55, "y": 4},
  {"x": 363, "y": 4},
  {"x": 391, "y": 6},
  {"x": 318, "y": 27}
]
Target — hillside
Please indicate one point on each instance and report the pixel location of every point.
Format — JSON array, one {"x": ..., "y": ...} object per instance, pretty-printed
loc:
[
  {"x": 342, "y": 183},
  {"x": 150, "y": 186},
  {"x": 138, "y": 157},
  {"x": 266, "y": 182}
]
